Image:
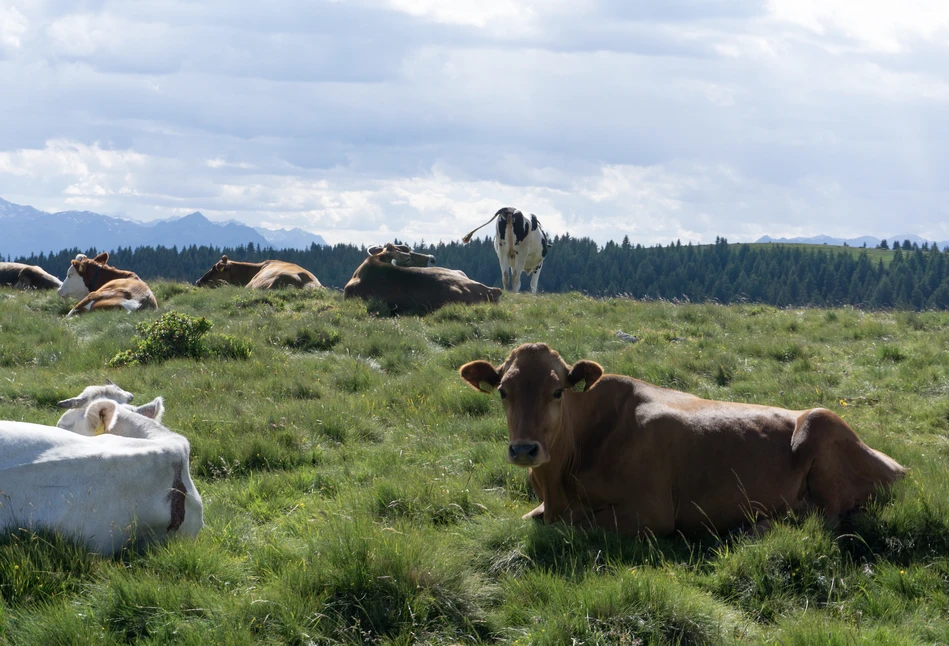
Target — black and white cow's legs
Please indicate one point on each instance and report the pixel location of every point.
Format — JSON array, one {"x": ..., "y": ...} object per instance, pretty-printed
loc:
[
  {"x": 505, "y": 274},
  {"x": 517, "y": 270},
  {"x": 535, "y": 277}
]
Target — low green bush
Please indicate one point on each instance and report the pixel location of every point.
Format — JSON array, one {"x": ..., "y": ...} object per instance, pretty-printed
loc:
[{"x": 176, "y": 335}]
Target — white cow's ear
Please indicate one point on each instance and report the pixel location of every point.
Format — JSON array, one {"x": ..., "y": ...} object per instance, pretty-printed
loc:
[
  {"x": 75, "y": 402},
  {"x": 100, "y": 416},
  {"x": 153, "y": 409}
]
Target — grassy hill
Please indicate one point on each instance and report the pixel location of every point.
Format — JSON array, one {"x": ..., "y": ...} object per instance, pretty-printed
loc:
[
  {"x": 886, "y": 255},
  {"x": 356, "y": 490}
]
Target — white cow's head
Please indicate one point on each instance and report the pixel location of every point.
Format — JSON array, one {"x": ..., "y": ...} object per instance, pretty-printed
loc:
[
  {"x": 101, "y": 415},
  {"x": 71, "y": 419},
  {"x": 74, "y": 286}
]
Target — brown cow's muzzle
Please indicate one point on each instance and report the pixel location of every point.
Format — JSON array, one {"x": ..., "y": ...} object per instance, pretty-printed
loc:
[{"x": 526, "y": 454}]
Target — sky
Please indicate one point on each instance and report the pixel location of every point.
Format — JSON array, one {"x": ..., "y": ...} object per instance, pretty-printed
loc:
[{"x": 366, "y": 120}]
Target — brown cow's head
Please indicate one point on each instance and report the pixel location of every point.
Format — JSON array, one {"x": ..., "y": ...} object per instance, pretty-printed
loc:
[
  {"x": 534, "y": 383},
  {"x": 79, "y": 275},
  {"x": 221, "y": 273},
  {"x": 400, "y": 255}
]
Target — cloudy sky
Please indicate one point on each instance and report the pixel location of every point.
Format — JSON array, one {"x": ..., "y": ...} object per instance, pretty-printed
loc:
[{"x": 362, "y": 120}]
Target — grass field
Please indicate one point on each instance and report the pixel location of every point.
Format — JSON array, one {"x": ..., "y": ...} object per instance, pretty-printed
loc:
[{"x": 356, "y": 491}]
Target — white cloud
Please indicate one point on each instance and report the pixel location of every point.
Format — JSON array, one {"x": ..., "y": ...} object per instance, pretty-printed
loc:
[
  {"x": 13, "y": 26},
  {"x": 877, "y": 25}
]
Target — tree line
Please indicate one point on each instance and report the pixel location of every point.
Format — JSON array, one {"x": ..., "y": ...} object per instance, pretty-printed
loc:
[{"x": 916, "y": 277}]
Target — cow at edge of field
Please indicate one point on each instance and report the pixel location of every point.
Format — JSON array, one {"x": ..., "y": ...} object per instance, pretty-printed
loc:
[
  {"x": 407, "y": 282},
  {"x": 268, "y": 274},
  {"x": 20, "y": 276},
  {"x": 627, "y": 455},
  {"x": 521, "y": 246},
  {"x": 119, "y": 478},
  {"x": 100, "y": 286}
]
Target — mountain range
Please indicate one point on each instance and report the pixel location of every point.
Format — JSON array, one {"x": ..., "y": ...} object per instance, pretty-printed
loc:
[
  {"x": 25, "y": 230},
  {"x": 870, "y": 241}
]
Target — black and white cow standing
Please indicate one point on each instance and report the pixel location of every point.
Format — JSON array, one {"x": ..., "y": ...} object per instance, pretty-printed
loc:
[{"x": 521, "y": 245}]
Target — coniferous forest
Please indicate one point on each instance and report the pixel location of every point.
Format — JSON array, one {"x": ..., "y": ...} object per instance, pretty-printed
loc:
[{"x": 915, "y": 278}]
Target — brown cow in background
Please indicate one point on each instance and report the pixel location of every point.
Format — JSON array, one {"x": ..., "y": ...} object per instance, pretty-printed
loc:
[
  {"x": 388, "y": 275},
  {"x": 20, "y": 276},
  {"x": 626, "y": 455},
  {"x": 269, "y": 274},
  {"x": 103, "y": 287}
]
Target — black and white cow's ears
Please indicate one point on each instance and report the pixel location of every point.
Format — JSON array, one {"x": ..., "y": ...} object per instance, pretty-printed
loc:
[
  {"x": 585, "y": 371},
  {"x": 153, "y": 409},
  {"x": 481, "y": 375}
]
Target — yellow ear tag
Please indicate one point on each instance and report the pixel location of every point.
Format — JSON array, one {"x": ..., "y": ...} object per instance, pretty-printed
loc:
[
  {"x": 80, "y": 268},
  {"x": 221, "y": 268},
  {"x": 100, "y": 429}
]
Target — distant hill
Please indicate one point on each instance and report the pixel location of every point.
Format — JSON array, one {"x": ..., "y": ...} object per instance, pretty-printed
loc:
[
  {"x": 26, "y": 230},
  {"x": 870, "y": 241}
]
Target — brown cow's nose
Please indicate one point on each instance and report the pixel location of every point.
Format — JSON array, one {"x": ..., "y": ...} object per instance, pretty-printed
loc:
[{"x": 523, "y": 452}]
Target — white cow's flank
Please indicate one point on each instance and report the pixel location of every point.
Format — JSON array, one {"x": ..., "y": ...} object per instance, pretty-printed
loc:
[{"x": 127, "y": 486}]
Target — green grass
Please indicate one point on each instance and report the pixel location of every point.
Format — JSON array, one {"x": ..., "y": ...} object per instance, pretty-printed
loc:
[{"x": 356, "y": 490}]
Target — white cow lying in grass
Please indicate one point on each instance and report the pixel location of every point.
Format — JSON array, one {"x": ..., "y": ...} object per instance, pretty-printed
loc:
[{"x": 127, "y": 482}]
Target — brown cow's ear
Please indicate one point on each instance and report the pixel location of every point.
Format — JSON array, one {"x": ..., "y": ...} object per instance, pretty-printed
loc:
[
  {"x": 224, "y": 259},
  {"x": 480, "y": 375},
  {"x": 586, "y": 371},
  {"x": 102, "y": 257}
]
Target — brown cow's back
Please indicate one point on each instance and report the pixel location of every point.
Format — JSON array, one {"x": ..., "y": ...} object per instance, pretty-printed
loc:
[
  {"x": 416, "y": 289},
  {"x": 21, "y": 276},
  {"x": 278, "y": 273}
]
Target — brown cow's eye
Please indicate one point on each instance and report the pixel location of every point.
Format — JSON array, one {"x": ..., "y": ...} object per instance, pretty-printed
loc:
[
  {"x": 502, "y": 392},
  {"x": 558, "y": 393}
]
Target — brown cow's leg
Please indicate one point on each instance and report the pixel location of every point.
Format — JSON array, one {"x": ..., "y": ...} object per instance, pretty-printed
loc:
[
  {"x": 536, "y": 514},
  {"x": 842, "y": 472},
  {"x": 84, "y": 305}
]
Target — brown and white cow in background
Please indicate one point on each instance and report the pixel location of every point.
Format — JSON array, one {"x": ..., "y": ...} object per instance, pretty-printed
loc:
[
  {"x": 118, "y": 479},
  {"x": 626, "y": 455},
  {"x": 100, "y": 286},
  {"x": 269, "y": 274},
  {"x": 20, "y": 276},
  {"x": 408, "y": 283},
  {"x": 521, "y": 246}
]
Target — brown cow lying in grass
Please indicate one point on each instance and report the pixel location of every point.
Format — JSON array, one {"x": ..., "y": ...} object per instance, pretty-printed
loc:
[
  {"x": 393, "y": 274},
  {"x": 20, "y": 276},
  {"x": 626, "y": 455},
  {"x": 269, "y": 274},
  {"x": 103, "y": 287}
]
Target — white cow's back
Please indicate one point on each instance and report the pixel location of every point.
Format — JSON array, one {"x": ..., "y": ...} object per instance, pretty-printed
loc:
[{"x": 104, "y": 489}]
